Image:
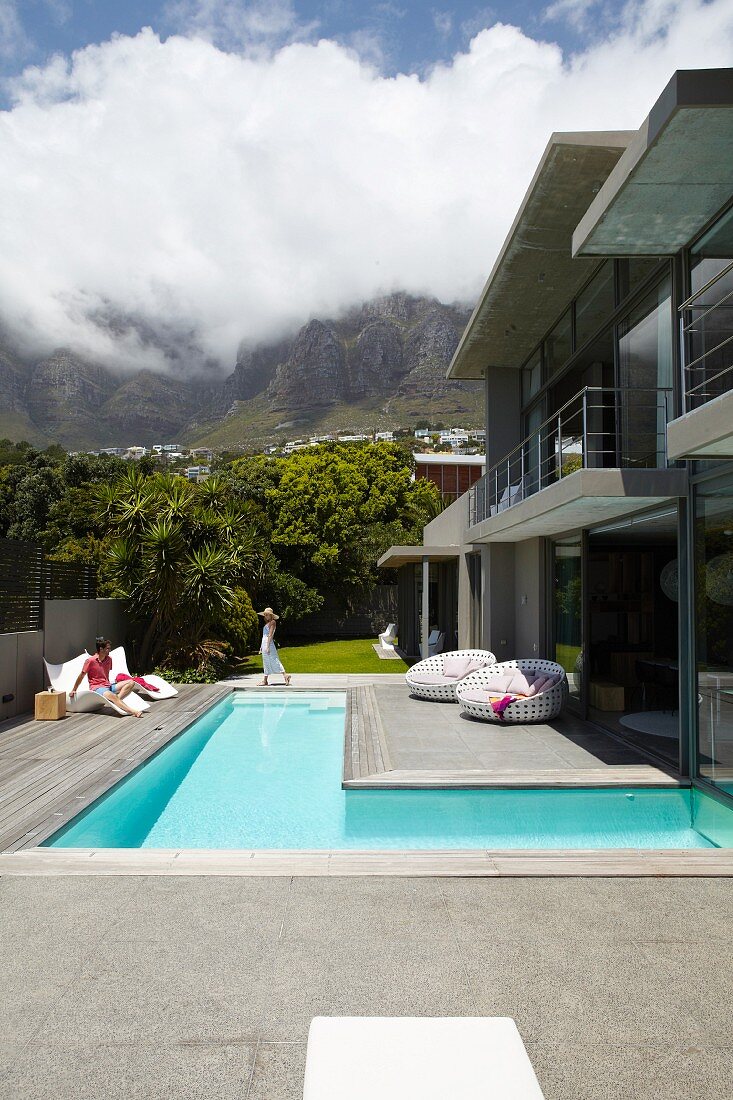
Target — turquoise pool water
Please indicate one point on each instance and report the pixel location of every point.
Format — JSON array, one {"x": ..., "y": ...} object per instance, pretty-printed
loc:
[{"x": 264, "y": 771}]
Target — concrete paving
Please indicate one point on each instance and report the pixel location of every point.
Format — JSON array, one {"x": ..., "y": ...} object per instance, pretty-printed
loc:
[
  {"x": 204, "y": 988},
  {"x": 424, "y": 735}
]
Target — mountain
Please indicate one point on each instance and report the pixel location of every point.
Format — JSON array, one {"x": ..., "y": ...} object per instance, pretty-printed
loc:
[{"x": 381, "y": 365}]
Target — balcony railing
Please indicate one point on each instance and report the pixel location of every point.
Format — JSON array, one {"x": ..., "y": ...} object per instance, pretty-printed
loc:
[
  {"x": 598, "y": 428},
  {"x": 706, "y": 325}
]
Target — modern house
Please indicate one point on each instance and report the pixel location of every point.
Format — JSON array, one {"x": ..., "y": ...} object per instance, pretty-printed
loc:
[
  {"x": 601, "y": 534},
  {"x": 452, "y": 474}
]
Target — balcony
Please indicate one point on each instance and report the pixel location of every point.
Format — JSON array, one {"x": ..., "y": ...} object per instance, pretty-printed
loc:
[
  {"x": 706, "y": 326},
  {"x": 601, "y": 456}
]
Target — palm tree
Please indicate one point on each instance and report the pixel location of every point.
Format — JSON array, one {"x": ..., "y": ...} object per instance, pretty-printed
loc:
[{"x": 177, "y": 555}]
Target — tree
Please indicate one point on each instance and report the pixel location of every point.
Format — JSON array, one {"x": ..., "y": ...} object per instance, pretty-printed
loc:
[
  {"x": 335, "y": 509},
  {"x": 178, "y": 561}
]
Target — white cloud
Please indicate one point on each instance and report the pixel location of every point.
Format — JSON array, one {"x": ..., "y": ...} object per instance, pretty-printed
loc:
[
  {"x": 251, "y": 26},
  {"x": 210, "y": 196},
  {"x": 443, "y": 22},
  {"x": 574, "y": 12},
  {"x": 13, "y": 40}
]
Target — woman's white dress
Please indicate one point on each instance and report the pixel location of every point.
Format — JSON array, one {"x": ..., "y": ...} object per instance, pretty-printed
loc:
[{"x": 270, "y": 661}]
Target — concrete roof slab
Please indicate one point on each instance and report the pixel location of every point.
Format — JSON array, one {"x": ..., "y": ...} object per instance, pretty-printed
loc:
[
  {"x": 582, "y": 499},
  {"x": 706, "y": 432},
  {"x": 535, "y": 276},
  {"x": 675, "y": 175},
  {"x": 404, "y": 555}
]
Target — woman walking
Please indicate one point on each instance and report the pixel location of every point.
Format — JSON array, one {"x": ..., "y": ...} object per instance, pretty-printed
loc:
[{"x": 271, "y": 663}]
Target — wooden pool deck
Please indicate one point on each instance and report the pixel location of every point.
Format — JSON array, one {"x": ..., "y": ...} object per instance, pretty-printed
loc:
[{"x": 51, "y": 771}]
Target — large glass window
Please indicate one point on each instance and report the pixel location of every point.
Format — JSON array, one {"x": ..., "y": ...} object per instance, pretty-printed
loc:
[
  {"x": 645, "y": 378},
  {"x": 594, "y": 305},
  {"x": 532, "y": 377},
  {"x": 558, "y": 344},
  {"x": 632, "y": 273},
  {"x": 714, "y": 630},
  {"x": 568, "y": 612},
  {"x": 709, "y": 321}
]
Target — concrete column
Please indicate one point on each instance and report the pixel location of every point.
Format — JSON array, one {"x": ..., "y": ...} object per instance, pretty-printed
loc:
[
  {"x": 499, "y": 599},
  {"x": 503, "y": 408},
  {"x": 425, "y": 606},
  {"x": 529, "y": 633}
]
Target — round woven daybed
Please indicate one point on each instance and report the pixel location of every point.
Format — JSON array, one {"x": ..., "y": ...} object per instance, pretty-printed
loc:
[
  {"x": 476, "y": 692},
  {"x": 428, "y": 679}
]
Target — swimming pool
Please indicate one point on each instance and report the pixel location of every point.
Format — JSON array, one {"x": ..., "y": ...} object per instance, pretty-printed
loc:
[{"x": 263, "y": 771}]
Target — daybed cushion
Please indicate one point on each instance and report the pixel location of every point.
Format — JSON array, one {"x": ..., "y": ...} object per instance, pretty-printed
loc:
[
  {"x": 497, "y": 684},
  {"x": 431, "y": 678},
  {"x": 455, "y": 668},
  {"x": 475, "y": 663}
]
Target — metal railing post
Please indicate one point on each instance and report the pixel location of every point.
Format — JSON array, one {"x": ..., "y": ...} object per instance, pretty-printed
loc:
[
  {"x": 559, "y": 447},
  {"x": 584, "y": 445}
]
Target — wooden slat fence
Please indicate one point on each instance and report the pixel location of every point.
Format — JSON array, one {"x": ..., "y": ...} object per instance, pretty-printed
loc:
[
  {"x": 21, "y": 586},
  {"x": 26, "y": 579}
]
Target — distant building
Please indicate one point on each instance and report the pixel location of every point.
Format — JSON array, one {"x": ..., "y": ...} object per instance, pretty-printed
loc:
[
  {"x": 453, "y": 474},
  {"x": 197, "y": 473},
  {"x": 384, "y": 437}
]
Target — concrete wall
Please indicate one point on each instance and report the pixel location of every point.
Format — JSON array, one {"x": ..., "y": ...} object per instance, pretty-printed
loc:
[
  {"x": 529, "y": 602},
  {"x": 449, "y": 528},
  {"x": 498, "y": 628},
  {"x": 70, "y": 626},
  {"x": 21, "y": 671},
  {"x": 503, "y": 409}
]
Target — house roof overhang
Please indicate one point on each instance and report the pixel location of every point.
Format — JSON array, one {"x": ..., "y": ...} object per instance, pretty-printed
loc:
[
  {"x": 706, "y": 432},
  {"x": 582, "y": 499},
  {"x": 674, "y": 177},
  {"x": 535, "y": 275},
  {"x": 404, "y": 555}
]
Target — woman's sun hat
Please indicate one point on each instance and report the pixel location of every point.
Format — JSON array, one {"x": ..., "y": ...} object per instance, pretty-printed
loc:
[{"x": 270, "y": 612}]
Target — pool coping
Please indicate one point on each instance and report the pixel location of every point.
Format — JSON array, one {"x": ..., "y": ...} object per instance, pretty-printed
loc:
[{"x": 481, "y": 863}]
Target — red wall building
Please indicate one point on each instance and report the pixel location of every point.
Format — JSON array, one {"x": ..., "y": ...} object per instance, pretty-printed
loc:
[{"x": 453, "y": 474}]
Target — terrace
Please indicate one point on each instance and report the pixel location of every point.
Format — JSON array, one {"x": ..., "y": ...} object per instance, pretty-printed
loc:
[{"x": 199, "y": 973}]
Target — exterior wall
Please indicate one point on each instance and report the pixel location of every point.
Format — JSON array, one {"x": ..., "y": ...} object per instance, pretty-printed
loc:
[
  {"x": 499, "y": 626},
  {"x": 70, "y": 626},
  {"x": 21, "y": 671},
  {"x": 529, "y": 595},
  {"x": 449, "y": 528},
  {"x": 503, "y": 413}
]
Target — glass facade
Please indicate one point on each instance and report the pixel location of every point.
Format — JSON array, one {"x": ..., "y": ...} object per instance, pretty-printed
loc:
[
  {"x": 709, "y": 318},
  {"x": 568, "y": 612},
  {"x": 559, "y": 344},
  {"x": 713, "y": 584},
  {"x": 645, "y": 379},
  {"x": 595, "y": 304}
]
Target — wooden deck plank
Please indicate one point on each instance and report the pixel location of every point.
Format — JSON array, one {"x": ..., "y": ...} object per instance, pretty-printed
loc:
[
  {"x": 48, "y": 778},
  {"x": 481, "y": 863},
  {"x": 610, "y": 776}
]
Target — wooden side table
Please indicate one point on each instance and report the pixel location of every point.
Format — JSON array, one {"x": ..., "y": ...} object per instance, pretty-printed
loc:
[{"x": 50, "y": 705}]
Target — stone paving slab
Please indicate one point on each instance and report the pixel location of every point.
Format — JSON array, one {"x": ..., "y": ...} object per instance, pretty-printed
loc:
[{"x": 620, "y": 988}]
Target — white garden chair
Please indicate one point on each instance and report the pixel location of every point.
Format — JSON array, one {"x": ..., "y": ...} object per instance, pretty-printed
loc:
[
  {"x": 119, "y": 667},
  {"x": 432, "y": 679},
  {"x": 63, "y": 677},
  {"x": 476, "y": 692}
]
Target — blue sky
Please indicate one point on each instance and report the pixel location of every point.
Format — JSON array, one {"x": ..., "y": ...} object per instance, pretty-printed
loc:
[{"x": 402, "y": 35}]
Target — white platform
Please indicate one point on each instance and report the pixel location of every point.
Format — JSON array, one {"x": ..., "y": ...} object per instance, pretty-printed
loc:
[{"x": 417, "y": 1058}]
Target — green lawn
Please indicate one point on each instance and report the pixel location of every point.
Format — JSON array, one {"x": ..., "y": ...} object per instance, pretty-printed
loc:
[
  {"x": 354, "y": 655},
  {"x": 567, "y": 655}
]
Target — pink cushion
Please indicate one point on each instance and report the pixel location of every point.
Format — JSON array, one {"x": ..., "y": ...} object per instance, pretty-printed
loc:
[
  {"x": 545, "y": 682},
  {"x": 477, "y": 662},
  {"x": 431, "y": 678},
  {"x": 497, "y": 682},
  {"x": 522, "y": 682},
  {"x": 455, "y": 667}
]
